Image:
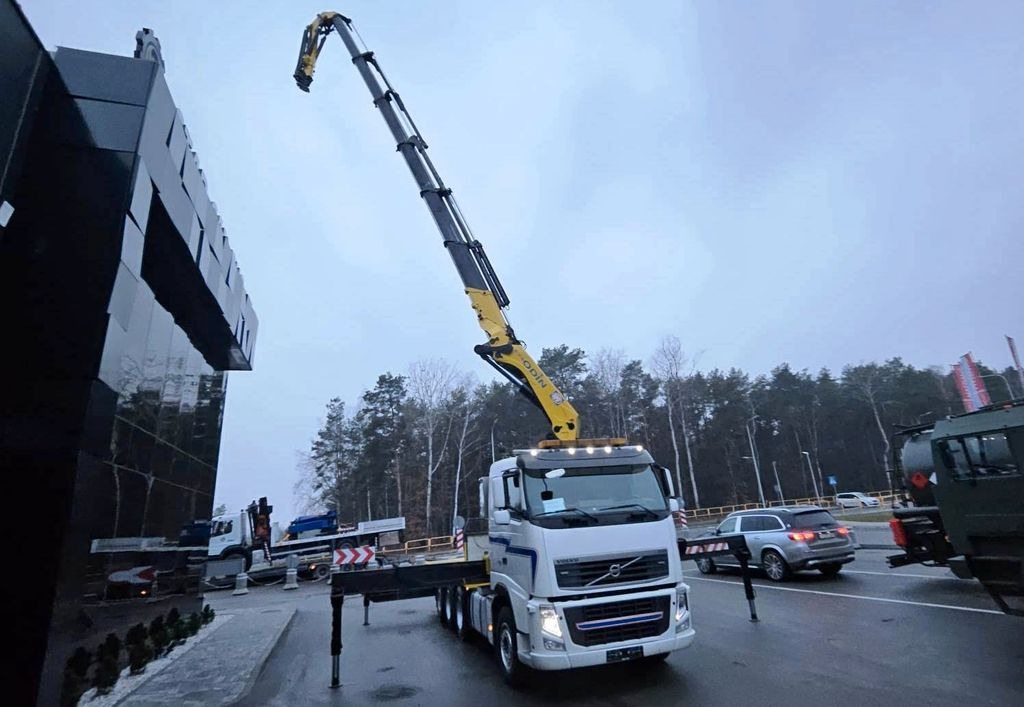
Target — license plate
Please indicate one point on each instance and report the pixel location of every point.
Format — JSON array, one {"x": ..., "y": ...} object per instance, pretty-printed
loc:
[
  {"x": 825, "y": 534},
  {"x": 620, "y": 654}
]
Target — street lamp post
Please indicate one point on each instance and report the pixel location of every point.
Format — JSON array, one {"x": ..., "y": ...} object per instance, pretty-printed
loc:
[
  {"x": 753, "y": 458},
  {"x": 814, "y": 483},
  {"x": 1009, "y": 391},
  {"x": 778, "y": 484}
]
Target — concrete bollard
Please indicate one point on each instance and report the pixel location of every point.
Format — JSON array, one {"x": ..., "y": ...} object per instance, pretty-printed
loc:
[
  {"x": 291, "y": 576},
  {"x": 241, "y": 584}
]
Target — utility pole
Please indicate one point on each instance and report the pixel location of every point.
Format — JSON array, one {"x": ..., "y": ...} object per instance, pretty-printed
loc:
[
  {"x": 814, "y": 483},
  {"x": 778, "y": 484},
  {"x": 1009, "y": 392},
  {"x": 753, "y": 458}
]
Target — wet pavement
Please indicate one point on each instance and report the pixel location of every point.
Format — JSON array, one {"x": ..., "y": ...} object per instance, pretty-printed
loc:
[{"x": 870, "y": 636}]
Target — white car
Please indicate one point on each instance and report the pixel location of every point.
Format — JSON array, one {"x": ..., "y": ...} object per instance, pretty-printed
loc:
[{"x": 856, "y": 499}]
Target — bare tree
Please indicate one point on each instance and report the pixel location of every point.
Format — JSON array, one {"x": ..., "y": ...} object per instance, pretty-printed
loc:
[
  {"x": 608, "y": 365},
  {"x": 464, "y": 409},
  {"x": 430, "y": 387},
  {"x": 668, "y": 363},
  {"x": 866, "y": 381}
]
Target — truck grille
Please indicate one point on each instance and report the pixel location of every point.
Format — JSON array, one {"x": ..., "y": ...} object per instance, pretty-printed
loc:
[
  {"x": 630, "y": 620},
  {"x": 605, "y": 571}
]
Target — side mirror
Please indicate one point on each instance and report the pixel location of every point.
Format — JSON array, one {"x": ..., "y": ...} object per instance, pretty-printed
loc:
[
  {"x": 502, "y": 516},
  {"x": 673, "y": 505}
]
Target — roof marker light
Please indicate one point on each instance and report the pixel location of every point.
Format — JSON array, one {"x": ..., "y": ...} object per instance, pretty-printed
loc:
[
  {"x": 533, "y": 452},
  {"x": 572, "y": 450},
  {"x": 608, "y": 449},
  {"x": 639, "y": 447},
  {"x": 590, "y": 450}
]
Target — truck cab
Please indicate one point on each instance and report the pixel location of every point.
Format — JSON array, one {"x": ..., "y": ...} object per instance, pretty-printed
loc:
[
  {"x": 965, "y": 477},
  {"x": 584, "y": 562}
]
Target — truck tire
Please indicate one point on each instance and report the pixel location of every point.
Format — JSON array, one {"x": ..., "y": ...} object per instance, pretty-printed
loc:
[
  {"x": 322, "y": 571},
  {"x": 506, "y": 649},
  {"x": 774, "y": 565},
  {"x": 461, "y": 623},
  {"x": 441, "y": 602}
]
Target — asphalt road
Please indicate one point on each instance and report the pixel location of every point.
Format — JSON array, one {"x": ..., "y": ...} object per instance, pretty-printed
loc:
[{"x": 916, "y": 636}]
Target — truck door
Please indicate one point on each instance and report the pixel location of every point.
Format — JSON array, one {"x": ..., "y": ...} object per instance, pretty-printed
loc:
[
  {"x": 981, "y": 483},
  {"x": 511, "y": 555}
]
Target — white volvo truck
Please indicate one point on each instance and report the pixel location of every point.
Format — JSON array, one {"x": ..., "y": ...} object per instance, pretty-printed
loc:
[{"x": 584, "y": 564}]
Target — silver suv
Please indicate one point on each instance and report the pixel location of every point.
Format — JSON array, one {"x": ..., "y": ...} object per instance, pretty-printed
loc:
[{"x": 785, "y": 540}]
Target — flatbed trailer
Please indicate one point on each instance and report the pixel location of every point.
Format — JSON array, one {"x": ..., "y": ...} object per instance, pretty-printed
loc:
[{"x": 397, "y": 582}]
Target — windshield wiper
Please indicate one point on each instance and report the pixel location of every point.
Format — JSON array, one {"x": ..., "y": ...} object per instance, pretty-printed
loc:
[
  {"x": 568, "y": 510},
  {"x": 641, "y": 506}
]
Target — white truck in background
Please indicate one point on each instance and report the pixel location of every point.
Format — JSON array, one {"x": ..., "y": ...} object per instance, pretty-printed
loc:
[{"x": 313, "y": 538}]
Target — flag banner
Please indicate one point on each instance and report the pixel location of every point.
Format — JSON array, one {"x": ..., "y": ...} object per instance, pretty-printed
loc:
[
  {"x": 968, "y": 382},
  {"x": 1016, "y": 359}
]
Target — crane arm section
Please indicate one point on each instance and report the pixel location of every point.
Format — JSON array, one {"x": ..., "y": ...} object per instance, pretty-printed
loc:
[{"x": 503, "y": 350}]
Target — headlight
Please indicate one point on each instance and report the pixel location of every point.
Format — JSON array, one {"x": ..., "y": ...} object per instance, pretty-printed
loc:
[
  {"x": 549, "y": 622},
  {"x": 682, "y": 603}
]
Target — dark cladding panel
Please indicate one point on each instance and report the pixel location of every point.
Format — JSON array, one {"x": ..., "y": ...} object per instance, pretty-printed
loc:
[
  {"x": 108, "y": 126},
  {"x": 190, "y": 176},
  {"x": 142, "y": 195},
  {"x": 176, "y": 143},
  {"x": 23, "y": 71},
  {"x": 122, "y": 297},
  {"x": 105, "y": 77},
  {"x": 131, "y": 247}
]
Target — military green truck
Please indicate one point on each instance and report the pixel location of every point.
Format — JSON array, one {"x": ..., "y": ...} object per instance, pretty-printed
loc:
[{"x": 963, "y": 498}]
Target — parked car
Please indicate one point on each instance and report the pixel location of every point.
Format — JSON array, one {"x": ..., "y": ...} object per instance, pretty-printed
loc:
[
  {"x": 786, "y": 540},
  {"x": 856, "y": 499}
]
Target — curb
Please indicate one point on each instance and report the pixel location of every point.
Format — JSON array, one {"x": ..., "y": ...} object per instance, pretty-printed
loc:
[
  {"x": 876, "y": 546},
  {"x": 260, "y": 662}
]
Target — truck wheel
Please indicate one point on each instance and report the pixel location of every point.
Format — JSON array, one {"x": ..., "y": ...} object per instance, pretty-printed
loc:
[
  {"x": 506, "y": 648},
  {"x": 706, "y": 565},
  {"x": 774, "y": 566},
  {"x": 462, "y": 625},
  {"x": 441, "y": 600},
  {"x": 322, "y": 572},
  {"x": 831, "y": 569}
]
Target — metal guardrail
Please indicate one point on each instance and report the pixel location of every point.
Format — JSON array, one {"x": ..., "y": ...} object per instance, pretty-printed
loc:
[{"x": 434, "y": 544}]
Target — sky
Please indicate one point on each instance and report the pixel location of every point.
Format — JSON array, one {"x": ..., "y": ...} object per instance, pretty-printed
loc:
[{"x": 812, "y": 183}]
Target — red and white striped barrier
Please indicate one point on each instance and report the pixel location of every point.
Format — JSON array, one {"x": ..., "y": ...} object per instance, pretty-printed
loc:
[
  {"x": 706, "y": 547},
  {"x": 354, "y": 555},
  {"x": 460, "y": 539}
]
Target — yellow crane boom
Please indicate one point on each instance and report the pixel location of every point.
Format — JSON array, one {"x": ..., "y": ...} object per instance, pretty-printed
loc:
[{"x": 503, "y": 350}]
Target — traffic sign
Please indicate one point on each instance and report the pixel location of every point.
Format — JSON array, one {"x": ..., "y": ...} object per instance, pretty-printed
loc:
[
  {"x": 354, "y": 555},
  {"x": 832, "y": 481}
]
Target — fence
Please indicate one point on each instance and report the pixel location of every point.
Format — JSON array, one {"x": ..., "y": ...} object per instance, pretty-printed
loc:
[{"x": 712, "y": 512}]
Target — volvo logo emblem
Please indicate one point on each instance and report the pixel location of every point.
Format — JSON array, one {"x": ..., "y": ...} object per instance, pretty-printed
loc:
[{"x": 614, "y": 570}]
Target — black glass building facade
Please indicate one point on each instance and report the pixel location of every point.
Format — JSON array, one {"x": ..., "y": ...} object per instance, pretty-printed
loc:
[{"x": 122, "y": 309}]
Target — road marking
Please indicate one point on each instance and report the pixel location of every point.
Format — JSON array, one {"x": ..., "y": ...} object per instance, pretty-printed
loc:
[
  {"x": 881, "y": 574},
  {"x": 858, "y": 596},
  {"x": 904, "y": 574}
]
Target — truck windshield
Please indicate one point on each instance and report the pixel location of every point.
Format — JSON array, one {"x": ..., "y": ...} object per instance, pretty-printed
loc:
[{"x": 606, "y": 495}]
